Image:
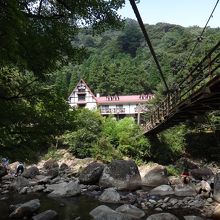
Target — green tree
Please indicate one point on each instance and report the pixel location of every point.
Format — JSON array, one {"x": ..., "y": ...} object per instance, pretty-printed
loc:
[
  {"x": 32, "y": 114},
  {"x": 36, "y": 34},
  {"x": 130, "y": 39},
  {"x": 87, "y": 129}
]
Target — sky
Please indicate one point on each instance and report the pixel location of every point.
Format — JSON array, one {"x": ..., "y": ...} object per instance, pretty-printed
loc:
[{"x": 182, "y": 12}]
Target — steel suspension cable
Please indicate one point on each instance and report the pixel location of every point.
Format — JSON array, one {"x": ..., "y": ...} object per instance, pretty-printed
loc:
[
  {"x": 138, "y": 16},
  {"x": 199, "y": 37}
]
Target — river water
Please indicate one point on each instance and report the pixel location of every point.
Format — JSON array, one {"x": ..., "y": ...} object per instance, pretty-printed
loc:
[{"x": 67, "y": 209}]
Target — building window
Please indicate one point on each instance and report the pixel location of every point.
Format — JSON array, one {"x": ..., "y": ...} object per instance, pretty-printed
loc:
[
  {"x": 105, "y": 107},
  {"x": 81, "y": 97},
  {"x": 81, "y": 87},
  {"x": 119, "y": 106}
]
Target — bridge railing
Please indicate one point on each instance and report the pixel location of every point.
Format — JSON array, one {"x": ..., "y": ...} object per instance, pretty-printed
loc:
[{"x": 205, "y": 70}]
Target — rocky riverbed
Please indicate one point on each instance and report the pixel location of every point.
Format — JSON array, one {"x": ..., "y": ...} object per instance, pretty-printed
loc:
[{"x": 118, "y": 190}]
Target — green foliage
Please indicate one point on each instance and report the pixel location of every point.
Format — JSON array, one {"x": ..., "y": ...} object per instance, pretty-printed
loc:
[
  {"x": 103, "y": 150},
  {"x": 87, "y": 128},
  {"x": 105, "y": 138},
  {"x": 169, "y": 145},
  {"x": 173, "y": 171},
  {"x": 125, "y": 136},
  {"x": 175, "y": 139},
  {"x": 130, "y": 40},
  {"x": 32, "y": 114},
  {"x": 37, "y": 34},
  {"x": 52, "y": 154}
]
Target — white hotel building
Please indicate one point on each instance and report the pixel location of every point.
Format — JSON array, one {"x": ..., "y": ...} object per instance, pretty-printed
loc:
[{"x": 120, "y": 106}]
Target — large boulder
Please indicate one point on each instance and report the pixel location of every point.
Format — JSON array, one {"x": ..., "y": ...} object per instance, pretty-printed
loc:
[
  {"x": 162, "y": 216},
  {"x": 184, "y": 162},
  {"x": 103, "y": 212},
  {"x": 31, "y": 172},
  {"x": 13, "y": 166},
  {"x": 216, "y": 193},
  {"x": 64, "y": 166},
  {"x": 54, "y": 187},
  {"x": 47, "y": 215},
  {"x": 202, "y": 173},
  {"x": 66, "y": 189},
  {"x": 19, "y": 183},
  {"x": 216, "y": 214},
  {"x": 122, "y": 174},
  {"x": 155, "y": 175},
  {"x": 163, "y": 190},
  {"x": 53, "y": 172},
  {"x": 92, "y": 173},
  {"x": 110, "y": 195},
  {"x": 50, "y": 164},
  {"x": 26, "y": 210},
  {"x": 131, "y": 211},
  {"x": 184, "y": 190},
  {"x": 3, "y": 171}
]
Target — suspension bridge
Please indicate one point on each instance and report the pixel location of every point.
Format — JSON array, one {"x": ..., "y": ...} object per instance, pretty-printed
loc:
[{"x": 196, "y": 94}]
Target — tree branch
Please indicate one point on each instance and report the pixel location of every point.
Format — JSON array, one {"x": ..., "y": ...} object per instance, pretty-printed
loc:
[{"x": 40, "y": 6}]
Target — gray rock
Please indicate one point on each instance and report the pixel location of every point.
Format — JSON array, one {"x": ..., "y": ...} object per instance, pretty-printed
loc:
[
  {"x": 184, "y": 190},
  {"x": 38, "y": 188},
  {"x": 55, "y": 180},
  {"x": 53, "y": 187},
  {"x": 110, "y": 195},
  {"x": 53, "y": 172},
  {"x": 200, "y": 173},
  {"x": 186, "y": 162},
  {"x": 162, "y": 216},
  {"x": 66, "y": 190},
  {"x": 31, "y": 172},
  {"x": 121, "y": 174},
  {"x": 19, "y": 183},
  {"x": 24, "y": 190},
  {"x": 92, "y": 173},
  {"x": 154, "y": 176},
  {"x": 64, "y": 166},
  {"x": 3, "y": 171},
  {"x": 47, "y": 215},
  {"x": 216, "y": 193},
  {"x": 162, "y": 190},
  {"x": 131, "y": 210},
  {"x": 50, "y": 164},
  {"x": 43, "y": 179},
  {"x": 103, "y": 212},
  {"x": 216, "y": 214},
  {"x": 192, "y": 217},
  {"x": 25, "y": 210}
]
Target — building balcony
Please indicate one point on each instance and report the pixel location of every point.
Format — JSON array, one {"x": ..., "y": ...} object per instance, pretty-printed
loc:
[
  {"x": 113, "y": 111},
  {"x": 142, "y": 110},
  {"x": 81, "y": 92},
  {"x": 81, "y": 102}
]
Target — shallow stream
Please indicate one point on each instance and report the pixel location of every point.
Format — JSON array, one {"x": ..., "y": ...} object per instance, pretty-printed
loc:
[{"x": 68, "y": 209}]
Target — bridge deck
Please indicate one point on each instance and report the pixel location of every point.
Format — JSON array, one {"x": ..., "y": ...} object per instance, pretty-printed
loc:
[{"x": 207, "y": 98}]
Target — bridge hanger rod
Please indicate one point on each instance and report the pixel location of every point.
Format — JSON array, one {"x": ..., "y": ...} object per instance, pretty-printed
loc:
[{"x": 138, "y": 16}]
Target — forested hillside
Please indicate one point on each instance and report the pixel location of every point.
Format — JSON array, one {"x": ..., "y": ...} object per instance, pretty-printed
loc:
[
  {"x": 48, "y": 55},
  {"x": 119, "y": 62}
]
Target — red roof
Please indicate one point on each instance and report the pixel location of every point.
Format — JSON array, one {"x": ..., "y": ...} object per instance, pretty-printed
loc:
[{"x": 124, "y": 99}]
